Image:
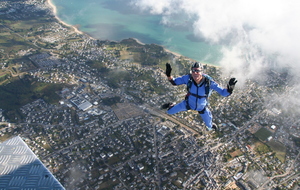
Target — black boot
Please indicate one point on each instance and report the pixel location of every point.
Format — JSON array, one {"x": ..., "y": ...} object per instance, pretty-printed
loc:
[
  {"x": 167, "y": 106},
  {"x": 215, "y": 127}
]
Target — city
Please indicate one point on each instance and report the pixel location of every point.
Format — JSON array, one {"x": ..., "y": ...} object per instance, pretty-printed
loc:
[{"x": 108, "y": 133}]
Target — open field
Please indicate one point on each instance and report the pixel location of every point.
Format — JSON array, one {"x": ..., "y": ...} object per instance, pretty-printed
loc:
[
  {"x": 263, "y": 134},
  {"x": 22, "y": 91},
  {"x": 279, "y": 149}
]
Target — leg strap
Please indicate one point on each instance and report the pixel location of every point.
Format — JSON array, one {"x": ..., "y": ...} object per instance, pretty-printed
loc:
[
  {"x": 187, "y": 105},
  {"x": 187, "y": 101}
]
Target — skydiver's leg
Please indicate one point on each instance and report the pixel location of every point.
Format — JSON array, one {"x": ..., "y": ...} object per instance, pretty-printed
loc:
[
  {"x": 177, "y": 108},
  {"x": 207, "y": 118}
]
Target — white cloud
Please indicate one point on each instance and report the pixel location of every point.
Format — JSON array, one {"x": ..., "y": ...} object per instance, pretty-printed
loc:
[
  {"x": 154, "y": 7},
  {"x": 253, "y": 30}
]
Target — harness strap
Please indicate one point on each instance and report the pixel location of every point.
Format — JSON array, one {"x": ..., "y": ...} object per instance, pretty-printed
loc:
[
  {"x": 187, "y": 102},
  {"x": 206, "y": 82},
  {"x": 195, "y": 95},
  {"x": 187, "y": 105}
]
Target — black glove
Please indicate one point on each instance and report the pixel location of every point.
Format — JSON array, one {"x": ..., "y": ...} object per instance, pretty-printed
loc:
[
  {"x": 168, "y": 69},
  {"x": 231, "y": 84}
]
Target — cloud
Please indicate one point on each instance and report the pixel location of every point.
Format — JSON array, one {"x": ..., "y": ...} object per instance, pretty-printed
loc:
[{"x": 255, "y": 34}]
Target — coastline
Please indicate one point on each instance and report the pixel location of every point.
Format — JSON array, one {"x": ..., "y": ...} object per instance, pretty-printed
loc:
[
  {"x": 169, "y": 51},
  {"x": 54, "y": 10},
  {"x": 174, "y": 53}
]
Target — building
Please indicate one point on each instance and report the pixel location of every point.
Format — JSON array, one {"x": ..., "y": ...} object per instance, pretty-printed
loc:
[{"x": 81, "y": 103}]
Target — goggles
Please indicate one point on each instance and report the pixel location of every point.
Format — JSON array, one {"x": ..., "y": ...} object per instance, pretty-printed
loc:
[{"x": 196, "y": 70}]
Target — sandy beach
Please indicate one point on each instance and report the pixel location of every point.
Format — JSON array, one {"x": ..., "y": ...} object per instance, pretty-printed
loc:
[
  {"x": 174, "y": 53},
  {"x": 53, "y": 7},
  {"x": 169, "y": 51}
]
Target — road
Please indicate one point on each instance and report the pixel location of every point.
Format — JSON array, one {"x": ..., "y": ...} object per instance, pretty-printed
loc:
[
  {"x": 160, "y": 113},
  {"x": 288, "y": 171}
]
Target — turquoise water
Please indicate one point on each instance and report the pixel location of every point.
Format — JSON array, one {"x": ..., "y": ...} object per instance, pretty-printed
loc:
[{"x": 117, "y": 19}]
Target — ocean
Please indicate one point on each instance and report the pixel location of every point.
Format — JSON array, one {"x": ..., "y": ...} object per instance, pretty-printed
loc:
[{"x": 117, "y": 19}]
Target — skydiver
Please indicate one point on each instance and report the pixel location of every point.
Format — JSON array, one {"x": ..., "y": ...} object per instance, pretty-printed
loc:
[{"x": 199, "y": 87}]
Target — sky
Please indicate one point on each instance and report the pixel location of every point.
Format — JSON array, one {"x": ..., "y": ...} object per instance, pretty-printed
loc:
[{"x": 256, "y": 34}]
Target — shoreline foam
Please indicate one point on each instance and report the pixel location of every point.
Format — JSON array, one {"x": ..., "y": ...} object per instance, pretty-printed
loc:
[{"x": 54, "y": 9}]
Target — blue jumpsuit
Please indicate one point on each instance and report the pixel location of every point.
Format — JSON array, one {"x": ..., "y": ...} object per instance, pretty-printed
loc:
[{"x": 197, "y": 99}]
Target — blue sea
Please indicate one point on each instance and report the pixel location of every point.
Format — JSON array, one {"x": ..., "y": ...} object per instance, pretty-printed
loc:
[{"x": 117, "y": 19}]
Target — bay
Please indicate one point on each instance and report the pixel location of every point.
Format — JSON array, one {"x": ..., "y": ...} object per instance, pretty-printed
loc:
[{"x": 117, "y": 19}]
